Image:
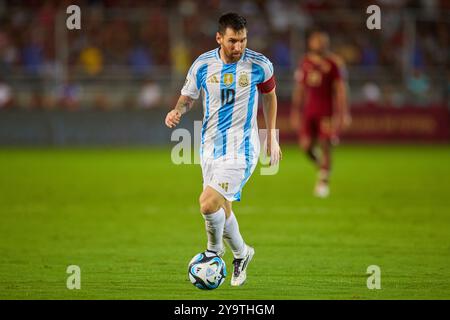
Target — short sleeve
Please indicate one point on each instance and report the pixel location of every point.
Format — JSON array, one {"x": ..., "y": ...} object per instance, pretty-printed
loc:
[
  {"x": 267, "y": 69},
  {"x": 266, "y": 82},
  {"x": 336, "y": 72},
  {"x": 190, "y": 87},
  {"x": 195, "y": 78}
]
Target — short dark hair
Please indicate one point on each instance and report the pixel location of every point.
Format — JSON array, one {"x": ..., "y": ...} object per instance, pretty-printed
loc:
[{"x": 231, "y": 20}]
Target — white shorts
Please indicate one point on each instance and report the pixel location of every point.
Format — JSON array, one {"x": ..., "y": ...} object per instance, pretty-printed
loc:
[{"x": 227, "y": 176}]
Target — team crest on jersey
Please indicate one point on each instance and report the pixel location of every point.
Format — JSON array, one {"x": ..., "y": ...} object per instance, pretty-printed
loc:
[
  {"x": 314, "y": 78},
  {"x": 228, "y": 79},
  {"x": 243, "y": 79}
]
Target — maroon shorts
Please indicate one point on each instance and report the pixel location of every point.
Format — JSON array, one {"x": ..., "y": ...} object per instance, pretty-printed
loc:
[{"x": 316, "y": 127}]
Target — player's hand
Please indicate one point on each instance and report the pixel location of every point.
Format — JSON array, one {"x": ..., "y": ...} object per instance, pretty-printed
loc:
[
  {"x": 273, "y": 150},
  {"x": 346, "y": 120},
  {"x": 336, "y": 127},
  {"x": 342, "y": 122},
  {"x": 334, "y": 139},
  {"x": 173, "y": 118}
]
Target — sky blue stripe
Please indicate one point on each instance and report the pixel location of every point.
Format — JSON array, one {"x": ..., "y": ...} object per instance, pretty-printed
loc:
[
  {"x": 225, "y": 112},
  {"x": 248, "y": 148},
  {"x": 257, "y": 73},
  {"x": 203, "y": 56},
  {"x": 205, "y": 121},
  {"x": 262, "y": 59},
  {"x": 258, "y": 55},
  {"x": 201, "y": 75}
]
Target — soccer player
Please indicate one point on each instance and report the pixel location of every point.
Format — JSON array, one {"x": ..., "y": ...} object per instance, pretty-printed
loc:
[
  {"x": 230, "y": 79},
  {"x": 319, "y": 105}
]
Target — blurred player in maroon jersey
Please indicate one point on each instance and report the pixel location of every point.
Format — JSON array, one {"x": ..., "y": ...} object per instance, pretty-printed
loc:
[{"x": 319, "y": 105}]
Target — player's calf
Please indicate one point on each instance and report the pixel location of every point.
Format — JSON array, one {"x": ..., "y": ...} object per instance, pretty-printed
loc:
[
  {"x": 211, "y": 207},
  {"x": 309, "y": 149}
]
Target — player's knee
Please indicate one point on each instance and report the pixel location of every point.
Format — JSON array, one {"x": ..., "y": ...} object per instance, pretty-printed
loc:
[
  {"x": 208, "y": 205},
  {"x": 325, "y": 144},
  {"x": 305, "y": 144}
]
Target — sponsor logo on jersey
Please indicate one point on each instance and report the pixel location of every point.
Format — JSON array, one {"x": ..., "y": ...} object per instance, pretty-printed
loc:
[
  {"x": 213, "y": 79},
  {"x": 224, "y": 186}
]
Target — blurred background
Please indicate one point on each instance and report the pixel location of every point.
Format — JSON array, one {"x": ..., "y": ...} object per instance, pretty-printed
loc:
[
  {"x": 113, "y": 81},
  {"x": 129, "y": 216}
]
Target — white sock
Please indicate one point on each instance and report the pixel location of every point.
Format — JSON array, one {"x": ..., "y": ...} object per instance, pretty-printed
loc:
[
  {"x": 214, "y": 224},
  {"x": 233, "y": 237}
]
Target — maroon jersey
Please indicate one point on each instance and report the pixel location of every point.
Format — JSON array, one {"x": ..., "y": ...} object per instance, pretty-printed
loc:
[{"x": 317, "y": 74}]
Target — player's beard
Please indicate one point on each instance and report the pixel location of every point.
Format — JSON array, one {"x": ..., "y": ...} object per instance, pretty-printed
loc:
[
  {"x": 232, "y": 57},
  {"x": 236, "y": 57}
]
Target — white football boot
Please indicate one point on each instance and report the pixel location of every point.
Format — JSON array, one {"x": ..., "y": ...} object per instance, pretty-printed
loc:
[
  {"x": 322, "y": 190},
  {"x": 240, "y": 268}
]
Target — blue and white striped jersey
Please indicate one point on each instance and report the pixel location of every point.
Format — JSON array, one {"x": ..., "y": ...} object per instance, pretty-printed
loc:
[{"x": 230, "y": 103}]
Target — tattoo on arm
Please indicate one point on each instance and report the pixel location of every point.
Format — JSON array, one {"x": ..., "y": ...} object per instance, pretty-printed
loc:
[{"x": 184, "y": 104}]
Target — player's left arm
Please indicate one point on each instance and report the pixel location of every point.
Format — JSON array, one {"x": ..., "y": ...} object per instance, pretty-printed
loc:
[
  {"x": 343, "y": 118},
  {"x": 340, "y": 88},
  {"x": 269, "y": 100}
]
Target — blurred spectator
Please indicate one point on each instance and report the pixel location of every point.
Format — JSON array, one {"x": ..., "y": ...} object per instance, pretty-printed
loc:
[
  {"x": 140, "y": 60},
  {"x": 281, "y": 53},
  {"x": 101, "y": 102},
  {"x": 418, "y": 84},
  {"x": 447, "y": 88},
  {"x": 369, "y": 54},
  {"x": 181, "y": 59},
  {"x": 371, "y": 93},
  {"x": 37, "y": 100},
  {"x": 418, "y": 58},
  {"x": 348, "y": 51},
  {"x": 6, "y": 97},
  {"x": 91, "y": 59},
  {"x": 69, "y": 95},
  {"x": 121, "y": 38},
  {"x": 8, "y": 53},
  {"x": 150, "y": 95},
  {"x": 33, "y": 53},
  {"x": 392, "y": 97}
]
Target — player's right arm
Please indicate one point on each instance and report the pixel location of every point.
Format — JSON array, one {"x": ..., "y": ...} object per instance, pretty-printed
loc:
[
  {"x": 183, "y": 105},
  {"x": 189, "y": 93},
  {"x": 298, "y": 93}
]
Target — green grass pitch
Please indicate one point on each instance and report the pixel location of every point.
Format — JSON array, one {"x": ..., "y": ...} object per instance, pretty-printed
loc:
[{"x": 130, "y": 219}]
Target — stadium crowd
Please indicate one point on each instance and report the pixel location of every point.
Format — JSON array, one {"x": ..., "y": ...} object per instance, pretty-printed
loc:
[{"x": 147, "y": 46}]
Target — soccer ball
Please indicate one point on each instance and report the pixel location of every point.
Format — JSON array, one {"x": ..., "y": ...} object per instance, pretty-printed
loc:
[{"x": 207, "y": 271}]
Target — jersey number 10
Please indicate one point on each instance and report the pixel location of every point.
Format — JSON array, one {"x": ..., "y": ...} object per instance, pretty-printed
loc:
[{"x": 227, "y": 96}]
